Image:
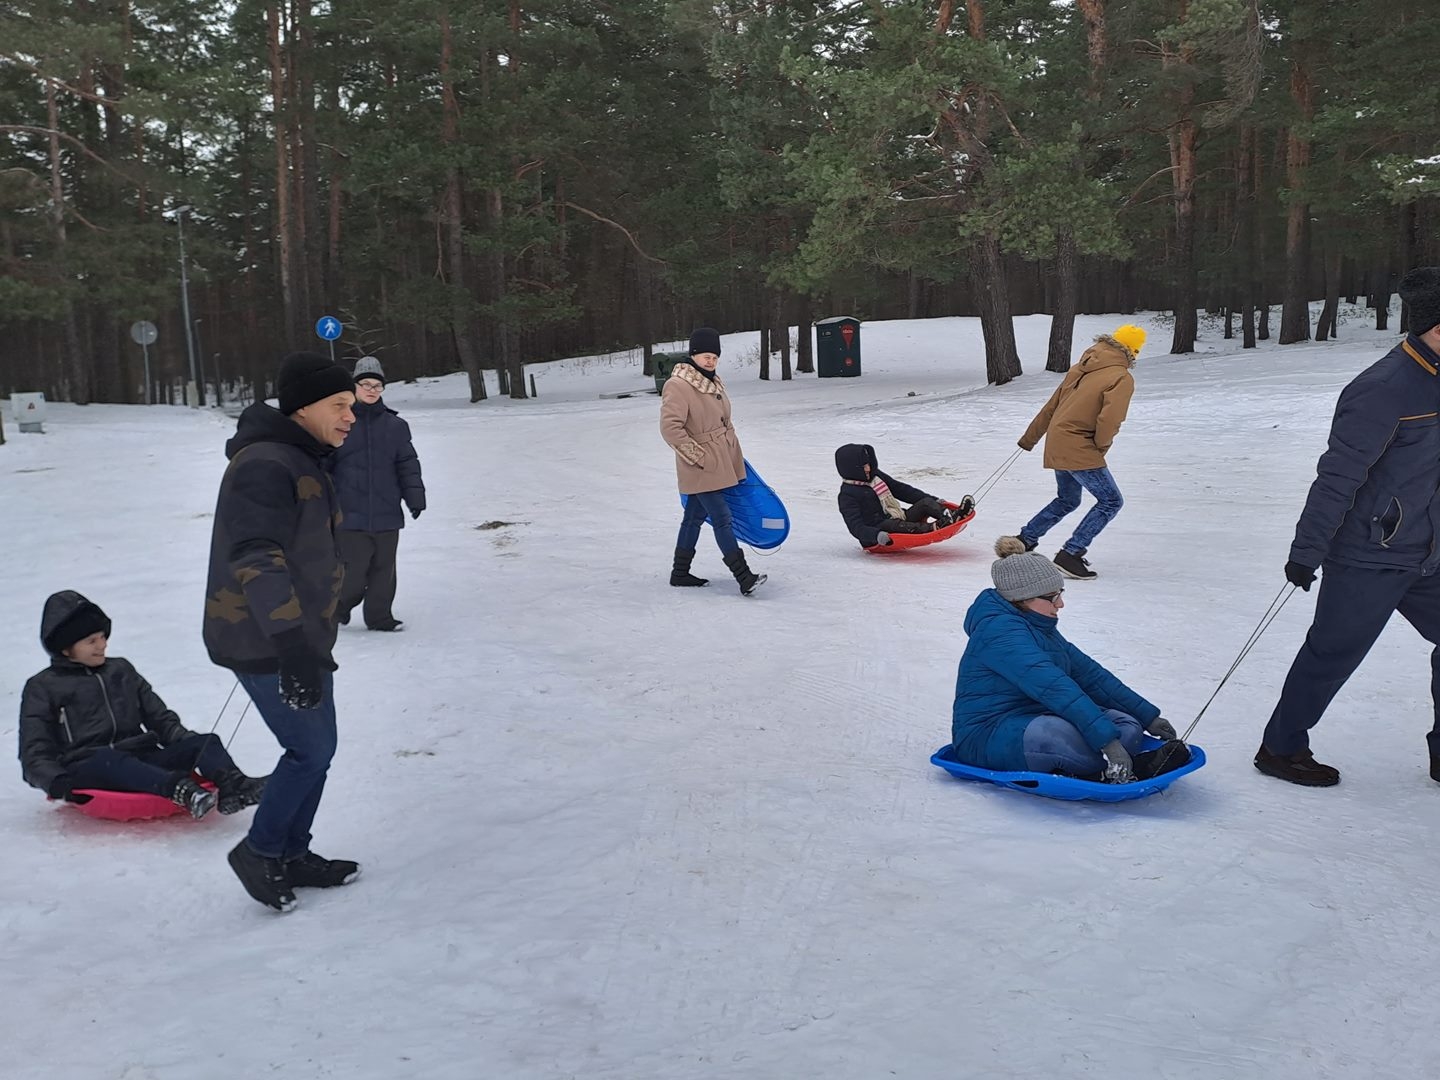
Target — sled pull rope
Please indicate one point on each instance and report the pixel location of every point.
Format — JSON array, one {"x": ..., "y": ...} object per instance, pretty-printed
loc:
[
  {"x": 994, "y": 478},
  {"x": 218, "y": 717},
  {"x": 1271, "y": 613}
]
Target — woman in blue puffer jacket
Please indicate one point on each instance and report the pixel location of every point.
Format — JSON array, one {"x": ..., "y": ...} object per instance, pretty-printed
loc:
[{"x": 1028, "y": 700}]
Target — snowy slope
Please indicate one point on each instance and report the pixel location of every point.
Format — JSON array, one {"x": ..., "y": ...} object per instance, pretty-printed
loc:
[{"x": 616, "y": 830}]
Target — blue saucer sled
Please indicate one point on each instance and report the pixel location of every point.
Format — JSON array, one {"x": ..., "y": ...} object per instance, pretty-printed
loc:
[
  {"x": 760, "y": 517},
  {"x": 1054, "y": 786}
]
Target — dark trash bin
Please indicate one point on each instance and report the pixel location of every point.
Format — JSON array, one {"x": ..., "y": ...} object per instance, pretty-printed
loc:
[
  {"x": 837, "y": 347},
  {"x": 662, "y": 363}
]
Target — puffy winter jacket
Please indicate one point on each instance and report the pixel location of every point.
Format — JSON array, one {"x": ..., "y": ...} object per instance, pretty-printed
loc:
[
  {"x": 68, "y": 711},
  {"x": 274, "y": 562},
  {"x": 375, "y": 469},
  {"x": 1018, "y": 666},
  {"x": 1085, "y": 412},
  {"x": 859, "y": 505},
  {"x": 1375, "y": 502}
]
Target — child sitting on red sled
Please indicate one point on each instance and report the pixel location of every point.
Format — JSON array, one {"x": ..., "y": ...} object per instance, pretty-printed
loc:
[
  {"x": 92, "y": 721},
  {"x": 870, "y": 501}
]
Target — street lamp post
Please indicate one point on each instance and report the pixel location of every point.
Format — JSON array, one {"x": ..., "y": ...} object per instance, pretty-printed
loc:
[{"x": 180, "y": 212}]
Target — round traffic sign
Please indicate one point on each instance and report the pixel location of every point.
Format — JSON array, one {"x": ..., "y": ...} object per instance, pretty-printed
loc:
[
  {"x": 143, "y": 332},
  {"x": 327, "y": 327}
]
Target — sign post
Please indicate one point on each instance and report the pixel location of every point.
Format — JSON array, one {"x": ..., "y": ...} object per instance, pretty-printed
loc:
[
  {"x": 143, "y": 333},
  {"x": 327, "y": 328}
]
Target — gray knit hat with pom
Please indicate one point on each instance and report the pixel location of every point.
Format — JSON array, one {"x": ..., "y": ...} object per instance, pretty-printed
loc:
[{"x": 1023, "y": 575}]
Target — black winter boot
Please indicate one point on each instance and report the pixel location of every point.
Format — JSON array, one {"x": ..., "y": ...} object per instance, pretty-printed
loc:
[
  {"x": 1073, "y": 566},
  {"x": 237, "y": 791},
  {"x": 190, "y": 795},
  {"x": 1167, "y": 757},
  {"x": 310, "y": 871},
  {"x": 264, "y": 879},
  {"x": 1301, "y": 768},
  {"x": 680, "y": 571},
  {"x": 744, "y": 576}
]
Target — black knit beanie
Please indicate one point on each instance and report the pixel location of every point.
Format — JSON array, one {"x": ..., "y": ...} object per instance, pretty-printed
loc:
[
  {"x": 306, "y": 378},
  {"x": 1420, "y": 289},
  {"x": 705, "y": 340},
  {"x": 87, "y": 619}
]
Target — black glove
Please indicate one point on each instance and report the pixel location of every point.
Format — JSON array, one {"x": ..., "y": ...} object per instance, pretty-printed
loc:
[
  {"x": 1302, "y": 577},
  {"x": 302, "y": 675},
  {"x": 62, "y": 787},
  {"x": 415, "y": 513}
]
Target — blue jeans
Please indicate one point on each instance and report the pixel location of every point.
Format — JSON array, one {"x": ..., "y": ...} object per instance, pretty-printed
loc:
[
  {"x": 1108, "y": 502},
  {"x": 154, "y": 771},
  {"x": 709, "y": 504},
  {"x": 281, "y": 828},
  {"x": 1352, "y": 609},
  {"x": 1054, "y": 745}
]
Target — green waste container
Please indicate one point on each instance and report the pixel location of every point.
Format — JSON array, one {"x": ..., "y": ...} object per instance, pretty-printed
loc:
[
  {"x": 662, "y": 363},
  {"x": 837, "y": 347}
]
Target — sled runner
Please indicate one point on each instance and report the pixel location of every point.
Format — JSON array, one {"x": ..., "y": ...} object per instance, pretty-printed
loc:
[
  {"x": 760, "y": 517},
  {"x": 905, "y": 541},
  {"x": 129, "y": 805},
  {"x": 1054, "y": 786}
]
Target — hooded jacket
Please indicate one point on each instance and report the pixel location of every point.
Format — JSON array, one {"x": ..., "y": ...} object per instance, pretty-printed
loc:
[
  {"x": 1018, "y": 666},
  {"x": 1085, "y": 412},
  {"x": 68, "y": 711},
  {"x": 375, "y": 469},
  {"x": 860, "y": 505},
  {"x": 275, "y": 567},
  {"x": 1375, "y": 502}
]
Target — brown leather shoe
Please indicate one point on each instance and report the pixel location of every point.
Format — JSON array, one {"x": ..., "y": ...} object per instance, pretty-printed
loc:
[{"x": 1301, "y": 768}]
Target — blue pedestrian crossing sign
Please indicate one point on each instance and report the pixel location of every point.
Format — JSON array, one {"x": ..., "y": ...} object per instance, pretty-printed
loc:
[{"x": 328, "y": 327}]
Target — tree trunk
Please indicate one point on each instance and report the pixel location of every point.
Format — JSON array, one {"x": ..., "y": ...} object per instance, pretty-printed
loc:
[
  {"x": 289, "y": 311},
  {"x": 805, "y": 343},
  {"x": 1380, "y": 295},
  {"x": 462, "y": 324},
  {"x": 764, "y": 343},
  {"x": 1295, "y": 311},
  {"x": 1184, "y": 139},
  {"x": 782, "y": 321},
  {"x": 1062, "y": 322},
  {"x": 1329, "y": 314},
  {"x": 74, "y": 366},
  {"x": 992, "y": 294}
]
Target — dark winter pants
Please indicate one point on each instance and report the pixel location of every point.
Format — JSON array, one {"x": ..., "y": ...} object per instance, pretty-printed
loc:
[
  {"x": 709, "y": 504},
  {"x": 369, "y": 574},
  {"x": 1068, "y": 485},
  {"x": 281, "y": 828},
  {"x": 917, "y": 518},
  {"x": 1353, "y": 607},
  {"x": 153, "y": 771}
]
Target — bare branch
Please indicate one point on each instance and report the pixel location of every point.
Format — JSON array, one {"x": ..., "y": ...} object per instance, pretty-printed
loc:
[{"x": 628, "y": 235}]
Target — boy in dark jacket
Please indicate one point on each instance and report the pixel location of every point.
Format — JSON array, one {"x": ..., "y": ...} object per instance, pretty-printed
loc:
[
  {"x": 92, "y": 721},
  {"x": 870, "y": 500},
  {"x": 375, "y": 470}
]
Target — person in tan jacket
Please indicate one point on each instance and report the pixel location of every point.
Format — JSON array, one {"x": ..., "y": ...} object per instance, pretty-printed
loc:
[
  {"x": 695, "y": 422},
  {"x": 1078, "y": 424}
]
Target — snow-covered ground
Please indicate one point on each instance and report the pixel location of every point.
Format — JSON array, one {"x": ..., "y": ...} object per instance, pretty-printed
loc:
[{"x": 616, "y": 830}]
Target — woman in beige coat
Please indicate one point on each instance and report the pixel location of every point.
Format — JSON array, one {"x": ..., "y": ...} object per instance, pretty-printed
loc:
[
  {"x": 1079, "y": 423},
  {"x": 695, "y": 421}
]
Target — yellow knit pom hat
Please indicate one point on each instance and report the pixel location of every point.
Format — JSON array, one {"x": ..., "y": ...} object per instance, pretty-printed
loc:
[{"x": 1132, "y": 337}]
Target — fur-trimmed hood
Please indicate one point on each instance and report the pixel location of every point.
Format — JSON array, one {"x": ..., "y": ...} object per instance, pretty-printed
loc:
[{"x": 1106, "y": 352}]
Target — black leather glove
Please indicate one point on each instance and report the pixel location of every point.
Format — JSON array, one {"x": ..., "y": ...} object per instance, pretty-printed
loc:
[
  {"x": 62, "y": 787},
  {"x": 415, "y": 513},
  {"x": 1302, "y": 577},
  {"x": 302, "y": 675}
]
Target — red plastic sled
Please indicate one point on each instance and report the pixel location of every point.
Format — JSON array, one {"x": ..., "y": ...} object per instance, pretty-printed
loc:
[
  {"x": 905, "y": 541},
  {"x": 128, "y": 805}
]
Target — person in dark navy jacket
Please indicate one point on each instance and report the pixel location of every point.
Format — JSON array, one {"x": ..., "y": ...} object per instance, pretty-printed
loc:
[
  {"x": 1370, "y": 522},
  {"x": 375, "y": 471},
  {"x": 870, "y": 500}
]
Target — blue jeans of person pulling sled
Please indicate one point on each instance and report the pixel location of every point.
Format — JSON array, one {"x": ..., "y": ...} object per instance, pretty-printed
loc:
[
  {"x": 281, "y": 827},
  {"x": 1068, "y": 485},
  {"x": 709, "y": 504},
  {"x": 1054, "y": 745}
]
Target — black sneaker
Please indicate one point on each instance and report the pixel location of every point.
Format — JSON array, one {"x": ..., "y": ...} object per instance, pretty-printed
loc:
[
  {"x": 240, "y": 791},
  {"x": 388, "y": 627},
  {"x": 1167, "y": 757},
  {"x": 310, "y": 871},
  {"x": 1073, "y": 566},
  {"x": 264, "y": 879},
  {"x": 1301, "y": 768},
  {"x": 194, "y": 798}
]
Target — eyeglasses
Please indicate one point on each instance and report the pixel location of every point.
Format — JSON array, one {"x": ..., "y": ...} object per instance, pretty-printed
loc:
[
  {"x": 370, "y": 384},
  {"x": 1051, "y": 598}
]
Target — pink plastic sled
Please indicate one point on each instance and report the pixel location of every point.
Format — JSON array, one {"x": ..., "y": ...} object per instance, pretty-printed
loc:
[{"x": 128, "y": 805}]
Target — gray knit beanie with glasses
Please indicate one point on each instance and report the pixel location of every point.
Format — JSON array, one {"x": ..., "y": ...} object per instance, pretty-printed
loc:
[{"x": 1025, "y": 575}]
